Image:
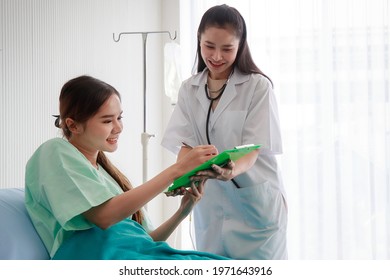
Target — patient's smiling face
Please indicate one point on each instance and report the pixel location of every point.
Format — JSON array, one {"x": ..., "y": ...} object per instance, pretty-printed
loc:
[{"x": 101, "y": 131}]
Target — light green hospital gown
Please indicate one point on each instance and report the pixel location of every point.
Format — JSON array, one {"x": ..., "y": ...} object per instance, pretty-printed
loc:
[{"x": 60, "y": 185}]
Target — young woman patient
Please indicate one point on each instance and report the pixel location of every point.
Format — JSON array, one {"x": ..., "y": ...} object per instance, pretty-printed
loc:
[{"x": 81, "y": 205}]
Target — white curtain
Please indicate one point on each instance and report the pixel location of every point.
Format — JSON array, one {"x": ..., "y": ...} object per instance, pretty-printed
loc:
[{"x": 330, "y": 62}]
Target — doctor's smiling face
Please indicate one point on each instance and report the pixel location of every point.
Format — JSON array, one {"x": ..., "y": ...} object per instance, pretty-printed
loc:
[{"x": 219, "y": 47}]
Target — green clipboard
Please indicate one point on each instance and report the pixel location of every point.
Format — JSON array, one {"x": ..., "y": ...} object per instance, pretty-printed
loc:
[{"x": 220, "y": 159}]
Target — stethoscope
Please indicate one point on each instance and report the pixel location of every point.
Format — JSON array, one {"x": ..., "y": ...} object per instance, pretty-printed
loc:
[{"x": 212, "y": 99}]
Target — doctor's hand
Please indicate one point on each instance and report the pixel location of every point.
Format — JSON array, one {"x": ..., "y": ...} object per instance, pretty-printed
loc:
[
  {"x": 224, "y": 173},
  {"x": 191, "y": 196}
]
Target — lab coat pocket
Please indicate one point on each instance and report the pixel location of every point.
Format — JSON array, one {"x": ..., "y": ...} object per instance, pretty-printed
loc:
[{"x": 261, "y": 205}]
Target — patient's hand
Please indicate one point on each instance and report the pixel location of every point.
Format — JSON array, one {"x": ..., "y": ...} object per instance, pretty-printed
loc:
[
  {"x": 188, "y": 159},
  {"x": 191, "y": 196}
]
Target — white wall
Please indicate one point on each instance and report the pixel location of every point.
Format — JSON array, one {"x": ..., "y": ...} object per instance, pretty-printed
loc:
[{"x": 44, "y": 43}]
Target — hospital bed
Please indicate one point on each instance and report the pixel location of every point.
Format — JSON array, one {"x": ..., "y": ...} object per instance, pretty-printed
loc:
[{"x": 18, "y": 238}]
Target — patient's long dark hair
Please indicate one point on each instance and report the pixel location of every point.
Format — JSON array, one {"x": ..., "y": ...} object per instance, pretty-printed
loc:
[{"x": 80, "y": 99}]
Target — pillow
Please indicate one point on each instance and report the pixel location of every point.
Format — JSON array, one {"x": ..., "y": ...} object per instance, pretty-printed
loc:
[{"x": 18, "y": 238}]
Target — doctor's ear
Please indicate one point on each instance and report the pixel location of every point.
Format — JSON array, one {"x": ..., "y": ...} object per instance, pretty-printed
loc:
[{"x": 73, "y": 127}]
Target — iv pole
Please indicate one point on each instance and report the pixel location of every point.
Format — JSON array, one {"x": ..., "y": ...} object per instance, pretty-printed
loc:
[{"x": 144, "y": 135}]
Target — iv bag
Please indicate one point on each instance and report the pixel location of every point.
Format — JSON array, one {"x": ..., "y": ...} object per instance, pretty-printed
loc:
[{"x": 172, "y": 71}]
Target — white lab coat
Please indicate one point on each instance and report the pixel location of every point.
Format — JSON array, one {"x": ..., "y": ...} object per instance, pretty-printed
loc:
[{"x": 249, "y": 222}]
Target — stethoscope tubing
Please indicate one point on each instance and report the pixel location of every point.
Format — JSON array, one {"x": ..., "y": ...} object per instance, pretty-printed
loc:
[{"x": 209, "y": 113}]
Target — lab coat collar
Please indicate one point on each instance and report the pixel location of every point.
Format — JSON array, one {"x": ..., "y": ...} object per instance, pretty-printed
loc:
[
  {"x": 237, "y": 78},
  {"x": 199, "y": 81},
  {"x": 229, "y": 94}
]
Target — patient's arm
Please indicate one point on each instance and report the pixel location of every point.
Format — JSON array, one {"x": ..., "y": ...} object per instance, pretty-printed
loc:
[
  {"x": 124, "y": 205},
  {"x": 190, "y": 198}
]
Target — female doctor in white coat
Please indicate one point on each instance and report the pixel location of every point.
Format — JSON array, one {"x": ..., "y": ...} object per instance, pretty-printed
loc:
[{"x": 230, "y": 102}]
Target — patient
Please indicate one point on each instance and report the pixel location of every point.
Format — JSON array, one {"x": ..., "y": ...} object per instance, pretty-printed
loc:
[{"x": 81, "y": 205}]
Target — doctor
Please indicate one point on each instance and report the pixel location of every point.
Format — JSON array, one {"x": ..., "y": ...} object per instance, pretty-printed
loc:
[{"x": 230, "y": 102}]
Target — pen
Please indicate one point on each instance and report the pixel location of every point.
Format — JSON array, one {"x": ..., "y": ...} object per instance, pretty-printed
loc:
[{"x": 186, "y": 145}]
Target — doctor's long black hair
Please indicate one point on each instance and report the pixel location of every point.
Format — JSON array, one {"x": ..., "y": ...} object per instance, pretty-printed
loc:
[{"x": 222, "y": 16}]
